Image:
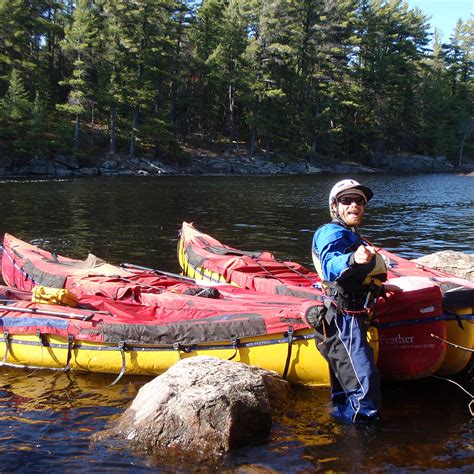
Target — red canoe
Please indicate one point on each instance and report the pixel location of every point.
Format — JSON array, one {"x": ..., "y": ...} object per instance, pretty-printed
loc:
[
  {"x": 164, "y": 314},
  {"x": 410, "y": 324}
]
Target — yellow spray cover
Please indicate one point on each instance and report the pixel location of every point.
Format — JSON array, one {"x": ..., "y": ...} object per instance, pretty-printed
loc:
[{"x": 47, "y": 295}]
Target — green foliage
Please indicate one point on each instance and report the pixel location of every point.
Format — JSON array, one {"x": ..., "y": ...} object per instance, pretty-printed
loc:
[
  {"x": 15, "y": 111},
  {"x": 15, "y": 106},
  {"x": 351, "y": 78},
  {"x": 38, "y": 134}
]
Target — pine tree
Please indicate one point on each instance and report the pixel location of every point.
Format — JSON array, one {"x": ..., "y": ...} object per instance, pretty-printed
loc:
[
  {"x": 203, "y": 84},
  {"x": 324, "y": 88},
  {"x": 16, "y": 104},
  {"x": 39, "y": 126},
  {"x": 392, "y": 44},
  {"x": 15, "y": 111},
  {"x": 434, "y": 103},
  {"x": 141, "y": 71},
  {"x": 79, "y": 42},
  {"x": 274, "y": 73},
  {"x": 460, "y": 66},
  {"x": 227, "y": 58}
]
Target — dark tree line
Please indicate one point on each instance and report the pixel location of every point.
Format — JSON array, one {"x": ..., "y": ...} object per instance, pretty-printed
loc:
[{"x": 314, "y": 78}]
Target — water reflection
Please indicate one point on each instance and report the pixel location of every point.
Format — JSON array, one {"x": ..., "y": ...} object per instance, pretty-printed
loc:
[
  {"x": 40, "y": 389},
  {"x": 47, "y": 418},
  {"x": 414, "y": 434}
]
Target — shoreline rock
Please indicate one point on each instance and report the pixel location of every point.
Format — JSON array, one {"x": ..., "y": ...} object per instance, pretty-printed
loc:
[
  {"x": 459, "y": 264},
  {"x": 226, "y": 165}
]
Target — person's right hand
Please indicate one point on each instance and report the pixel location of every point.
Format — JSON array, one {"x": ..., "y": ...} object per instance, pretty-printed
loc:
[{"x": 364, "y": 254}]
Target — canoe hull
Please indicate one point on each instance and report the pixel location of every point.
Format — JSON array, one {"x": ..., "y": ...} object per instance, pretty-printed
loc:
[{"x": 305, "y": 365}]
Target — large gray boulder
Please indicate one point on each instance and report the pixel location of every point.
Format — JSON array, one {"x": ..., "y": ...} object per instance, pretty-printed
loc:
[
  {"x": 203, "y": 406},
  {"x": 459, "y": 264}
]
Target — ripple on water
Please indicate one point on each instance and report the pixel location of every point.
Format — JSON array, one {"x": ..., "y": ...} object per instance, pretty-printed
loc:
[{"x": 47, "y": 419}]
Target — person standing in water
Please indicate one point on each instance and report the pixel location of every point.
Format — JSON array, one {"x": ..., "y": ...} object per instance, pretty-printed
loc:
[{"x": 352, "y": 273}]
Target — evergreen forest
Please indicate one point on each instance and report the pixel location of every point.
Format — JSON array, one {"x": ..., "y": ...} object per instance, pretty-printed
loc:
[{"x": 327, "y": 79}]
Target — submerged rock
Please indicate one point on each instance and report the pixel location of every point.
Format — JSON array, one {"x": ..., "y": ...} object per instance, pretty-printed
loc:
[
  {"x": 203, "y": 406},
  {"x": 459, "y": 264}
]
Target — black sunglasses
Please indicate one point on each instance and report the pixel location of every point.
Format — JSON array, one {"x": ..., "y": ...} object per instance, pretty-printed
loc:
[{"x": 346, "y": 200}]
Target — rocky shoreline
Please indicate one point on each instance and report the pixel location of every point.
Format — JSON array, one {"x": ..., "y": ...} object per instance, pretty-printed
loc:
[{"x": 226, "y": 165}]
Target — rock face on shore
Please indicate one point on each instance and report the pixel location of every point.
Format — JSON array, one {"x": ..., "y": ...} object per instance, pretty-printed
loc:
[
  {"x": 203, "y": 406},
  {"x": 406, "y": 163},
  {"x": 228, "y": 164},
  {"x": 459, "y": 264}
]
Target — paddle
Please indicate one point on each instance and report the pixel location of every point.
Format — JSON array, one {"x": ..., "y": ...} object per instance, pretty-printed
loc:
[
  {"x": 59, "y": 314},
  {"x": 159, "y": 272}
]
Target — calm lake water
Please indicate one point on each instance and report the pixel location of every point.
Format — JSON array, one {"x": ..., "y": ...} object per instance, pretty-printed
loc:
[{"x": 47, "y": 419}]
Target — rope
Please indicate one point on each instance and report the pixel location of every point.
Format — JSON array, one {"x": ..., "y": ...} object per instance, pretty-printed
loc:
[
  {"x": 434, "y": 271},
  {"x": 266, "y": 270},
  {"x": 323, "y": 323},
  {"x": 457, "y": 346},
  {"x": 411, "y": 322},
  {"x": 471, "y": 403},
  {"x": 141, "y": 285},
  {"x": 41, "y": 338},
  {"x": 165, "y": 347},
  {"x": 362, "y": 312},
  {"x": 294, "y": 270}
]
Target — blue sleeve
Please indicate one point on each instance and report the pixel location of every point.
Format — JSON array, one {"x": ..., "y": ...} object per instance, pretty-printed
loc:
[{"x": 335, "y": 247}]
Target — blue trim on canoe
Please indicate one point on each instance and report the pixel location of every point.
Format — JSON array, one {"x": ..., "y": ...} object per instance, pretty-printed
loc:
[
  {"x": 411, "y": 322},
  {"x": 31, "y": 321}
]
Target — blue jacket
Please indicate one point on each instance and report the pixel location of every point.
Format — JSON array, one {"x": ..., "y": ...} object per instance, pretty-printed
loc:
[{"x": 334, "y": 245}]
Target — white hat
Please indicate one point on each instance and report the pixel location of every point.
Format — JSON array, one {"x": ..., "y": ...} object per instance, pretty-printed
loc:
[
  {"x": 348, "y": 186},
  {"x": 344, "y": 187},
  {"x": 353, "y": 191}
]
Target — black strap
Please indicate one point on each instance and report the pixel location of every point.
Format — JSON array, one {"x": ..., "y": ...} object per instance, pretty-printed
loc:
[
  {"x": 123, "y": 347},
  {"x": 177, "y": 347},
  {"x": 70, "y": 345},
  {"x": 457, "y": 317},
  {"x": 291, "y": 333},
  {"x": 42, "y": 339},
  {"x": 235, "y": 344}
]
